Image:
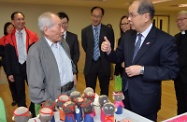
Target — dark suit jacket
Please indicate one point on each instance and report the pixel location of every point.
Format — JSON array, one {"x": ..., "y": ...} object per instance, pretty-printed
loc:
[
  {"x": 159, "y": 57},
  {"x": 11, "y": 52},
  {"x": 88, "y": 46},
  {"x": 118, "y": 68},
  {"x": 182, "y": 52},
  {"x": 73, "y": 44}
]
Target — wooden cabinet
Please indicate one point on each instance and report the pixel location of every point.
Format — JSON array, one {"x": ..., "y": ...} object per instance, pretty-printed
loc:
[{"x": 161, "y": 22}]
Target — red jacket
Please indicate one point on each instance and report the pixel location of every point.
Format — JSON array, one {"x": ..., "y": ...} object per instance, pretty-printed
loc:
[{"x": 11, "y": 52}]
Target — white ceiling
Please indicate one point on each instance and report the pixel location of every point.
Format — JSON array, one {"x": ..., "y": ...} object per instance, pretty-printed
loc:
[{"x": 167, "y": 5}]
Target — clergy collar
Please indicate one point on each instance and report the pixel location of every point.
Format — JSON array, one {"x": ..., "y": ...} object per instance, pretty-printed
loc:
[{"x": 182, "y": 32}]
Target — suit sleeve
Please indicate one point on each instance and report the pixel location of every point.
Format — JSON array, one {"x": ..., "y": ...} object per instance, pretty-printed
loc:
[
  {"x": 168, "y": 66},
  {"x": 36, "y": 77},
  {"x": 111, "y": 38},
  {"x": 7, "y": 58},
  {"x": 76, "y": 52},
  {"x": 83, "y": 40}
]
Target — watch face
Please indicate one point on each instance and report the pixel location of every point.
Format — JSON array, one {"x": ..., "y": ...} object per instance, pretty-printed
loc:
[{"x": 142, "y": 71}]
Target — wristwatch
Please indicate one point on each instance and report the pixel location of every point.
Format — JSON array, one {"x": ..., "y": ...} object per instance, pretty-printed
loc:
[{"x": 142, "y": 70}]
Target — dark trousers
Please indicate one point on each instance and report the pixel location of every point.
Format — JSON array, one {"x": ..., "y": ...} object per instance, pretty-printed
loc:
[
  {"x": 12, "y": 88},
  {"x": 20, "y": 85},
  {"x": 127, "y": 104},
  {"x": 96, "y": 71},
  {"x": 181, "y": 95}
]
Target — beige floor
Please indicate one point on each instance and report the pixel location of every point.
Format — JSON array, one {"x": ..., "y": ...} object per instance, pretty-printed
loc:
[
  {"x": 2, "y": 76},
  {"x": 168, "y": 108}
]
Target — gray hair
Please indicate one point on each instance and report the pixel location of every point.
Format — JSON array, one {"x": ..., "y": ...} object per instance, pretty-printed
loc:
[
  {"x": 146, "y": 6},
  {"x": 45, "y": 20}
]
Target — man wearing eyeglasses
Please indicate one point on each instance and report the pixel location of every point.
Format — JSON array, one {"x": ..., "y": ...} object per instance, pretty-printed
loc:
[
  {"x": 181, "y": 80},
  {"x": 150, "y": 56},
  {"x": 96, "y": 63}
]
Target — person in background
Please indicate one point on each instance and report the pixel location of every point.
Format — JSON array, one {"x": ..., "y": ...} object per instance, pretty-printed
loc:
[
  {"x": 124, "y": 25},
  {"x": 49, "y": 66},
  {"x": 8, "y": 27},
  {"x": 150, "y": 56},
  {"x": 181, "y": 80},
  {"x": 17, "y": 44},
  {"x": 71, "y": 39},
  {"x": 109, "y": 25},
  {"x": 96, "y": 63}
]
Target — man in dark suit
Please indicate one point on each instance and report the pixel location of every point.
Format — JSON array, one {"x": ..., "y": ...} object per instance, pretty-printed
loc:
[
  {"x": 181, "y": 80},
  {"x": 70, "y": 38},
  {"x": 156, "y": 60},
  {"x": 96, "y": 64}
]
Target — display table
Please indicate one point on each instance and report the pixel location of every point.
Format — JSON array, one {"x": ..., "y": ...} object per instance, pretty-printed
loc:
[
  {"x": 179, "y": 118},
  {"x": 126, "y": 114}
]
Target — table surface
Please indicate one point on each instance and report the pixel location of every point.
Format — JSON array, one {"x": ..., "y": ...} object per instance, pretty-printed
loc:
[
  {"x": 179, "y": 118},
  {"x": 126, "y": 114},
  {"x": 118, "y": 117}
]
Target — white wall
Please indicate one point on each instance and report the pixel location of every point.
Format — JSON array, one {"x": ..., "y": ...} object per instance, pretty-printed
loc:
[{"x": 79, "y": 18}]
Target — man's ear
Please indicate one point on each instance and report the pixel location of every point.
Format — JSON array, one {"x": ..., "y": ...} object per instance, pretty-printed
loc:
[
  {"x": 146, "y": 17},
  {"x": 46, "y": 30}
]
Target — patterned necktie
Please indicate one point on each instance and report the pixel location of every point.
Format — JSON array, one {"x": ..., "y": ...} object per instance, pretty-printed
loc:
[
  {"x": 137, "y": 45},
  {"x": 96, "y": 52},
  {"x": 21, "y": 51}
]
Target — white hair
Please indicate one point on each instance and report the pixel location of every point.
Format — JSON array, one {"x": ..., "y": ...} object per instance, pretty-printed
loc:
[
  {"x": 183, "y": 12},
  {"x": 46, "y": 20}
]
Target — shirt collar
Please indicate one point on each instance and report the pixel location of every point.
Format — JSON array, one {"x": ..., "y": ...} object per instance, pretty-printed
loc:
[
  {"x": 146, "y": 32},
  {"x": 98, "y": 27},
  {"x": 22, "y": 31},
  {"x": 65, "y": 34},
  {"x": 183, "y": 32},
  {"x": 50, "y": 42}
]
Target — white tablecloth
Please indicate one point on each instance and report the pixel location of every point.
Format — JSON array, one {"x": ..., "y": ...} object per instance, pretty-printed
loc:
[{"x": 126, "y": 114}]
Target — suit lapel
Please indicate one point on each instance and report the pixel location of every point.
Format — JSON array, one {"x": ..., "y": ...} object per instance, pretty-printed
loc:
[
  {"x": 101, "y": 35},
  {"x": 68, "y": 37},
  {"x": 149, "y": 40},
  {"x": 66, "y": 48},
  {"x": 132, "y": 40},
  {"x": 91, "y": 37}
]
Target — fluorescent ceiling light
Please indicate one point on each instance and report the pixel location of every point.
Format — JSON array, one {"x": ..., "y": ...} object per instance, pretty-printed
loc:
[
  {"x": 182, "y": 5},
  {"x": 159, "y": 1}
]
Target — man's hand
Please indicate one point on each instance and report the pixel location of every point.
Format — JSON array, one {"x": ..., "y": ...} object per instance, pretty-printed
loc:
[
  {"x": 105, "y": 46},
  {"x": 123, "y": 64},
  {"x": 11, "y": 78},
  {"x": 75, "y": 79},
  {"x": 133, "y": 70}
]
